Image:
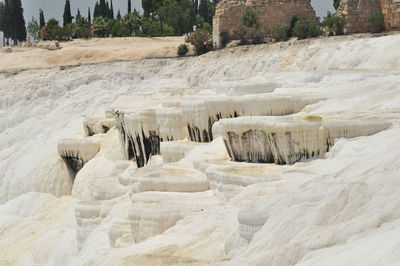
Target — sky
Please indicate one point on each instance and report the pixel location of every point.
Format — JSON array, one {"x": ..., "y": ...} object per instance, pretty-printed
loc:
[{"x": 55, "y": 8}]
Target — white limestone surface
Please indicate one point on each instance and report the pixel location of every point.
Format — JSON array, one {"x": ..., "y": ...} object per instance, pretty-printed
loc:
[{"x": 339, "y": 209}]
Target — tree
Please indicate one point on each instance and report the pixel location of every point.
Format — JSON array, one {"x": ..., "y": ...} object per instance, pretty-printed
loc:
[
  {"x": 78, "y": 15},
  {"x": 15, "y": 21},
  {"x": 205, "y": 11},
  {"x": 150, "y": 7},
  {"x": 3, "y": 19},
  {"x": 33, "y": 27},
  {"x": 179, "y": 14},
  {"x": 96, "y": 10},
  {"x": 82, "y": 28},
  {"x": 306, "y": 28},
  {"x": 67, "y": 13},
  {"x": 89, "y": 17},
  {"x": 336, "y": 4},
  {"x": 112, "y": 10},
  {"x": 42, "y": 21},
  {"x": 119, "y": 15},
  {"x": 129, "y": 6}
]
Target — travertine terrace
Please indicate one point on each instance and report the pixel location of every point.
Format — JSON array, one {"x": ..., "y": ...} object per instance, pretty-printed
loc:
[{"x": 278, "y": 154}]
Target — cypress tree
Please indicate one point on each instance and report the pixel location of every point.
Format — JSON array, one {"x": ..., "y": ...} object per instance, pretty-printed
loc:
[
  {"x": 78, "y": 15},
  {"x": 204, "y": 10},
  {"x": 42, "y": 21},
  {"x": 119, "y": 15},
  {"x": 16, "y": 21},
  {"x": 89, "y": 17},
  {"x": 96, "y": 10},
  {"x": 129, "y": 6},
  {"x": 336, "y": 4},
  {"x": 6, "y": 21},
  {"x": 67, "y": 13},
  {"x": 112, "y": 10},
  {"x": 3, "y": 20}
]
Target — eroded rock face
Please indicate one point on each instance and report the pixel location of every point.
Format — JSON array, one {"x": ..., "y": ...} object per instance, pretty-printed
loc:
[
  {"x": 77, "y": 152},
  {"x": 286, "y": 140},
  {"x": 271, "y": 13}
]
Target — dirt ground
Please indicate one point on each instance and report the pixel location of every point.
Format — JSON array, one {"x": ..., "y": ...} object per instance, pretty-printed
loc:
[{"x": 91, "y": 51}]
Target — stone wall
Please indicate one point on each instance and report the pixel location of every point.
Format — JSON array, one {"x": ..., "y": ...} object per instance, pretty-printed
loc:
[
  {"x": 357, "y": 12},
  {"x": 391, "y": 12},
  {"x": 271, "y": 13}
]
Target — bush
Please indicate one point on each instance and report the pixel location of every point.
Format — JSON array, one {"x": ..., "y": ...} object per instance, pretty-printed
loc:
[
  {"x": 292, "y": 24},
  {"x": 306, "y": 28},
  {"x": 201, "y": 40},
  {"x": 335, "y": 25},
  {"x": 183, "y": 50},
  {"x": 279, "y": 33},
  {"x": 225, "y": 38},
  {"x": 376, "y": 21},
  {"x": 250, "y": 18},
  {"x": 207, "y": 27}
]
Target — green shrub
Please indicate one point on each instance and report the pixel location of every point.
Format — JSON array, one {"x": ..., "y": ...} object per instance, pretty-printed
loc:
[
  {"x": 225, "y": 38},
  {"x": 183, "y": 49},
  {"x": 335, "y": 25},
  {"x": 279, "y": 33},
  {"x": 292, "y": 24},
  {"x": 206, "y": 26},
  {"x": 201, "y": 40},
  {"x": 250, "y": 18},
  {"x": 376, "y": 21},
  {"x": 306, "y": 28}
]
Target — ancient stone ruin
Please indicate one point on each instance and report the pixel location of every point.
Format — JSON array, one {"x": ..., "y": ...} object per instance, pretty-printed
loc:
[
  {"x": 271, "y": 13},
  {"x": 357, "y": 12}
]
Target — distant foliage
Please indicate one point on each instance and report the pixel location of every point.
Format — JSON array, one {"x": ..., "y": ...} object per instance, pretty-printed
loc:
[
  {"x": 336, "y": 4},
  {"x": 249, "y": 32},
  {"x": 33, "y": 28},
  {"x": 279, "y": 33},
  {"x": 306, "y": 28},
  {"x": 183, "y": 50},
  {"x": 376, "y": 20},
  {"x": 335, "y": 25},
  {"x": 201, "y": 40}
]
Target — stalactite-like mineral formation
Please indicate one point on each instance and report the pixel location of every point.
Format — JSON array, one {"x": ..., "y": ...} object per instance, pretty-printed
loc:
[
  {"x": 77, "y": 152},
  {"x": 200, "y": 114},
  {"x": 287, "y": 140}
]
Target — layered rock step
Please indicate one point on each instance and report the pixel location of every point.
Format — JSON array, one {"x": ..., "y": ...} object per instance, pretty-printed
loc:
[
  {"x": 77, "y": 152},
  {"x": 287, "y": 140},
  {"x": 201, "y": 114},
  {"x": 174, "y": 151},
  {"x": 229, "y": 181},
  {"x": 170, "y": 178},
  {"x": 152, "y": 213}
]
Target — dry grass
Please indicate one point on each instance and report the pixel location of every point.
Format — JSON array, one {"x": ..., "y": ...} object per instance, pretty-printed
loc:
[{"x": 89, "y": 52}]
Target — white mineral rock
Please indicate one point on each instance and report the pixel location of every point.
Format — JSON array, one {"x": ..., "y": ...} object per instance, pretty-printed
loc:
[
  {"x": 286, "y": 140},
  {"x": 94, "y": 126}
]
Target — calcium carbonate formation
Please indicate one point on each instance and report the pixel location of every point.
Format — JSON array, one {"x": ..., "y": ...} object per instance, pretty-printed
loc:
[
  {"x": 77, "y": 152},
  {"x": 94, "y": 126},
  {"x": 287, "y": 140},
  {"x": 201, "y": 114}
]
